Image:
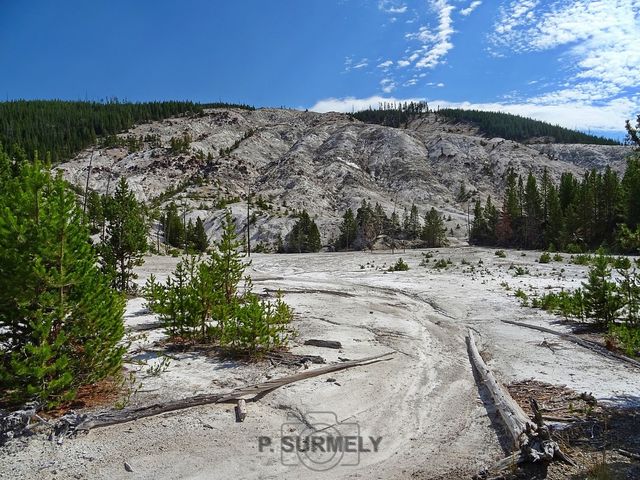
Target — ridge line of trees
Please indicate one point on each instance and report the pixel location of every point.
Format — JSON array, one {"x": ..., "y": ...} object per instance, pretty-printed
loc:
[
  {"x": 492, "y": 124},
  {"x": 63, "y": 128}
]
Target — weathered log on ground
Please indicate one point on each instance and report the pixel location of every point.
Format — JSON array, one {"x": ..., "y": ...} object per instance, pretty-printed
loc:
[
  {"x": 323, "y": 343},
  {"x": 291, "y": 359},
  {"x": 513, "y": 417},
  {"x": 255, "y": 392},
  {"x": 593, "y": 346},
  {"x": 531, "y": 439},
  {"x": 631, "y": 455},
  {"x": 13, "y": 424}
]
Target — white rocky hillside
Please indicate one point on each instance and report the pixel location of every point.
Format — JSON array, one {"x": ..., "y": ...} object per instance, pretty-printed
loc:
[{"x": 323, "y": 163}]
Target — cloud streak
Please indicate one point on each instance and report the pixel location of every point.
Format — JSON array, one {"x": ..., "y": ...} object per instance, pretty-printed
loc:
[
  {"x": 393, "y": 7},
  {"x": 469, "y": 10},
  {"x": 434, "y": 44}
]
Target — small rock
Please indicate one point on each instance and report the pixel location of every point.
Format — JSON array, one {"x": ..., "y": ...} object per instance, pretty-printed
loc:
[
  {"x": 127, "y": 467},
  {"x": 331, "y": 379}
]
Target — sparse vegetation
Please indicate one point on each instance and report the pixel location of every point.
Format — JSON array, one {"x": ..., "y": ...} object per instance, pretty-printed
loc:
[
  {"x": 545, "y": 257},
  {"x": 399, "y": 266},
  {"x": 203, "y": 301}
]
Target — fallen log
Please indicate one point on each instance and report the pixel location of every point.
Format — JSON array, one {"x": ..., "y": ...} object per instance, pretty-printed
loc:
[
  {"x": 290, "y": 359},
  {"x": 323, "y": 343},
  {"x": 593, "y": 346},
  {"x": 254, "y": 392},
  {"x": 531, "y": 439},
  {"x": 513, "y": 417},
  {"x": 631, "y": 455}
]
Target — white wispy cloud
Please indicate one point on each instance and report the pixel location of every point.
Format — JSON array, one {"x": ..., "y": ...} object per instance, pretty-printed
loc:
[
  {"x": 600, "y": 37},
  {"x": 391, "y": 6},
  {"x": 351, "y": 64},
  {"x": 576, "y": 115},
  {"x": 388, "y": 85},
  {"x": 386, "y": 64},
  {"x": 469, "y": 10},
  {"x": 436, "y": 44}
]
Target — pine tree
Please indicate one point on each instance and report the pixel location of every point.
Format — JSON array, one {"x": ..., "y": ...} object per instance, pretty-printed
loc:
[
  {"x": 95, "y": 212},
  {"x": 511, "y": 221},
  {"x": 533, "y": 213},
  {"x": 173, "y": 227},
  {"x": 413, "y": 225},
  {"x": 631, "y": 189},
  {"x": 367, "y": 227},
  {"x": 60, "y": 323},
  {"x": 629, "y": 288},
  {"x": 478, "y": 233},
  {"x": 200, "y": 240},
  {"x": 491, "y": 218},
  {"x": 348, "y": 230},
  {"x": 126, "y": 240},
  {"x": 224, "y": 272},
  {"x": 434, "y": 232},
  {"x": 600, "y": 293},
  {"x": 610, "y": 204},
  {"x": 394, "y": 228},
  {"x": 380, "y": 219},
  {"x": 305, "y": 236},
  {"x": 554, "y": 230}
]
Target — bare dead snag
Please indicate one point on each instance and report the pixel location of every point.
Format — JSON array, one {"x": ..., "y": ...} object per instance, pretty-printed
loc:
[{"x": 531, "y": 439}]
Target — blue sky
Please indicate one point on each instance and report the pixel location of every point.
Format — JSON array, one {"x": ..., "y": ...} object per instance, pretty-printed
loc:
[{"x": 570, "y": 62}]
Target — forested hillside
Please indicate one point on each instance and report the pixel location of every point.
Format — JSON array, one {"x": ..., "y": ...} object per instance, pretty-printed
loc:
[
  {"x": 515, "y": 127},
  {"x": 491, "y": 124},
  {"x": 63, "y": 128},
  {"x": 392, "y": 114}
]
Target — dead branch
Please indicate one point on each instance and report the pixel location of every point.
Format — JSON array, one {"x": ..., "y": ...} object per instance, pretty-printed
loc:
[
  {"x": 255, "y": 392},
  {"x": 593, "y": 346}
]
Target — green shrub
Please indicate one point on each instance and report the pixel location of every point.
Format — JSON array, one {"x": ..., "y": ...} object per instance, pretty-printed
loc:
[
  {"x": 558, "y": 258},
  {"x": 522, "y": 296},
  {"x": 545, "y": 258},
  {"x": 628, "y": 336},
  {"x": 399, "y": 266},
  {"x": 519, "y": 270},
  {"x": 574, "y": 248},
  {"x": 567, "y": 304},
  {"x": 500, "y": 253},
  {"x": 581, "y": 260},
  {"x": 442, "y": 263},
  {"x": 621, "y": 263}
]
